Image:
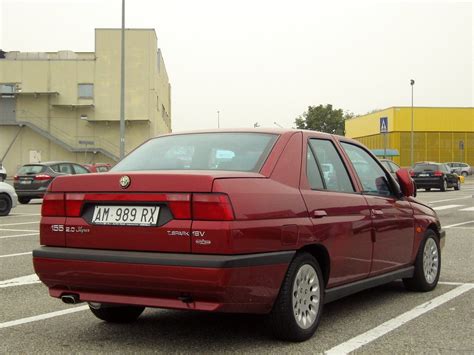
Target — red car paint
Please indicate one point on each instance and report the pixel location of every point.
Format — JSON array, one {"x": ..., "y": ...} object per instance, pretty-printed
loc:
[{"x": 274, "y": 214}]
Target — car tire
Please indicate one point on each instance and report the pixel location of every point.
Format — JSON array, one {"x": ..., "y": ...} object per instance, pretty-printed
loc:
[
  {"x": 292, "y": 309},
  {"x": 444, "y": 185},
  {"x": 5, "y": 205},
  {"x": 428, "y": 189},
  {"x": 464, "y": 173},
  {"x": 457, "y": 186},
  {"x": 24, "y": 200},
  {"x": 116, "y": 314},
  {"x": 427, "y": 265}
]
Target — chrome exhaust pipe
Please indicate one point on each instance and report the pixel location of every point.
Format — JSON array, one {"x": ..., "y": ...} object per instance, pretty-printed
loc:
[{"x": 70, "y": 299}]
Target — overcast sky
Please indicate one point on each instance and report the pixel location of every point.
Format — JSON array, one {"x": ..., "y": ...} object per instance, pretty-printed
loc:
[{"x": 266, "y": 61}]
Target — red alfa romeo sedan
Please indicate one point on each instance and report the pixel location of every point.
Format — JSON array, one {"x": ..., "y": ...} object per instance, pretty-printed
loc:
[{"x": 275, "y": 222}]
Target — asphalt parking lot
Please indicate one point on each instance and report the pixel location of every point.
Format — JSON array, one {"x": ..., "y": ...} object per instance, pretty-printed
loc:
[{"x": 386, "y": 319}]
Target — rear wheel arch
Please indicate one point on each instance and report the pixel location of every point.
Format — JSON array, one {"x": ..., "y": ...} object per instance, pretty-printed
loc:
[{"x": 320, "y": 253}]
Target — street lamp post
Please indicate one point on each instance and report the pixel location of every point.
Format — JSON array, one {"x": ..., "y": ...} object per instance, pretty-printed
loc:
[
  {"x": 218, "y": 119},
  {"x": 412, "y": 83},
  {"x": 122, "y": 85}
]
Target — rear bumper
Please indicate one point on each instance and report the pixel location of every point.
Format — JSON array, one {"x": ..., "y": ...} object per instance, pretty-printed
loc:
[
  {"x": 422, "y": 183},
  {"x": 31, "y": 193},
  {"x": 226, "y": 283}
]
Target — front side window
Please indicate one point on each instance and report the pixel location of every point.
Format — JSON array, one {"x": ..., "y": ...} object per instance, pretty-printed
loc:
[
  {"x": 85, "y": 91},
  {"x": 201, "y": 151},
  {"x": 371, "y": 175},
  {"x": 334, "y": 173},
  {"x": 65, "y": 169}
]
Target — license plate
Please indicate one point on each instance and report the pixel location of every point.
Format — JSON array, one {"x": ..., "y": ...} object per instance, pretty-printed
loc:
[
  {"x": 25, "y": 182},
  {"x": 424, "y": 175},
  {"x": 126, "y": 215}
]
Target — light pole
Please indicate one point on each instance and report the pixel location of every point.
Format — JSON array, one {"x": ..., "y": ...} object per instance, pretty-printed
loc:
[
  {"x": 277, "y": 124},
  {"x": 218, "y": 119},
  {"x": 412, "y": 83},
  {"x": 122, "y": 85}
]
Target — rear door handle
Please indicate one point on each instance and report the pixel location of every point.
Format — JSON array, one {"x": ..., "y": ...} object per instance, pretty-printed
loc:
[
  {"x": 377, "y": 212},
  {"x": 319, "y": 213}
]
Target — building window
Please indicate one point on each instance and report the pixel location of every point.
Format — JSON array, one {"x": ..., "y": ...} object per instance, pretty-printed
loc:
[
  {"x": 7, "y": 88},
  {"x": 85, "y": 91}
]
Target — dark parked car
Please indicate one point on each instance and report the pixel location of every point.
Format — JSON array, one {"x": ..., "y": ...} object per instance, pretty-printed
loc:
[
  {"x": 32, "y": 180},
  {"x": 428, "y": 175},
  {"x": 98, "y": 167},
  {"x": 236, "y": 221}
]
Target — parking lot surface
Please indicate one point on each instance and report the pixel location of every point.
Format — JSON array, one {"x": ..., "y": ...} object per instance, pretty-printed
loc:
[{"x": 386, "y": 319}]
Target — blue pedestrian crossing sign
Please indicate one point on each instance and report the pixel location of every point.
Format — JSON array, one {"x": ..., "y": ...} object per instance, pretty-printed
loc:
[{"x": 383, "y": 124}]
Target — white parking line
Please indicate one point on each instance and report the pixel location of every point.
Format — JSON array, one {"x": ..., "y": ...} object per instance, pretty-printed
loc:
[
  {"x": 394, "y": 323},
  {"x": 457, "y": 224},
  {"x": 446, "y": 207},
  {"x": 16, "y": 230},
  {"x": 469, "y": 209},
  {"x": 23, "y": 214},
  {"x": 17, "y": 224},
  {"x": 449, "y": 199},
  {"x": 42, "y": 316},
  {"x": 19, "y": 235},
  {"x": 17, "y": 254},
  {"x": 20, "y": 281}
]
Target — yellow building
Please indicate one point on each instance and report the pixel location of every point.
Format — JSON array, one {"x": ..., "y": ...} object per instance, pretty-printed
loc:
[
  {"x": 66, "y": 105},
  {"x": 441, "y": 134}
]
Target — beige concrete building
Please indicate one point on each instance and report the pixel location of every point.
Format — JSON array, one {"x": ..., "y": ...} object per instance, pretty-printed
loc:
[{"x": 66, "y": 105}]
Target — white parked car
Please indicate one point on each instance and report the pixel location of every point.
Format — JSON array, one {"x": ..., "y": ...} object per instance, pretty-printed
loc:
[
  {"x": 3, "y": 172},
  {"x": 8, "y": 198}
]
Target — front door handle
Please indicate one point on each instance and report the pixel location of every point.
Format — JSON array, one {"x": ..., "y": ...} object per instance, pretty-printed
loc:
[
  {"x": 377, "y": 212},
  {"x": 319, "y": 213}
]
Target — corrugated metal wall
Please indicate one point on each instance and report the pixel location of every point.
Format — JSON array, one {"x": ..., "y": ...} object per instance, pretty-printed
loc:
[{"x": 429, "y": 146}]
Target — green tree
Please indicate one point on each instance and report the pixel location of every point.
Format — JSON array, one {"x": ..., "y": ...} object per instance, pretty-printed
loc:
[{"x": 324, "y": 119}]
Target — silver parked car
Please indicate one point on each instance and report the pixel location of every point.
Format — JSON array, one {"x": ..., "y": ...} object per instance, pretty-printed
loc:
[
  {"x": 460, "y": 168},
  {"x": 8, "y": 198}
]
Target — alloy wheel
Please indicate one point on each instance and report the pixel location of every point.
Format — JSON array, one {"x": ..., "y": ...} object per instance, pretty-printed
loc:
[
  {"x": 306, "y": 296},
  {"x": 430, "y": 260}
]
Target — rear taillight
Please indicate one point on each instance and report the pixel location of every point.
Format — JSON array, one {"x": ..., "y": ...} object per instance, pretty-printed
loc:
[
  {"x": 73, "y": 204},
  {"x": 43, "y": 177},
  {"x": 16, "y": 178},
  {"x": 412, "y": 173},
  {"x": 212, "y": 207},
  {"x": 53, "y": 205},
  {"x": 438, "y": 173},
  {"x": 179, "y": 205}
]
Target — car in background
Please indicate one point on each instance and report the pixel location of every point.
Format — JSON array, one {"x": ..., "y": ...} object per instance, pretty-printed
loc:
[
  {"x": 428, "y": 175},
  {"x": 390, "y": 166},
  {"x": 8, "y": 198},
  {"x": 3, "y": 173},
  {"x": 98, "y": 167},
  {"x": 265, "y": 229},
  {"x": 32, "y": 180},
  {"x": 460, "y": 168}
]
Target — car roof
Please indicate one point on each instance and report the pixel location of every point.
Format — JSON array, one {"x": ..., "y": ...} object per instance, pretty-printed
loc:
[{"x": 48, "y": 163}]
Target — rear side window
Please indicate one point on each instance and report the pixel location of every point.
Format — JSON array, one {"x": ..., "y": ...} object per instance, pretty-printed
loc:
[
  {"x": 31, "y": 169},
  {"x": 102, "y": 169},
  {"x": 425, "y": 167},
  {"x": 334, "y": 172},
  {"x": 312, "y": 171},
  {"x": 371, "y": 175},
  {"x": 65, "y": 169},
  {"x": 201, "y": 151}
]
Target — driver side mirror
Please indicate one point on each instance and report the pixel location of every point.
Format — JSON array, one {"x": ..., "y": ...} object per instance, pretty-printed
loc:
[{"x": 407, "y": 184}]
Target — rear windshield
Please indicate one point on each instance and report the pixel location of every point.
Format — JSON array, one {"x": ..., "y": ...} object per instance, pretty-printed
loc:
[
  {"x": 426, "y": 167},
  {"x": 31, "y": 169},
  {"x": 201, "y": 151}
]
